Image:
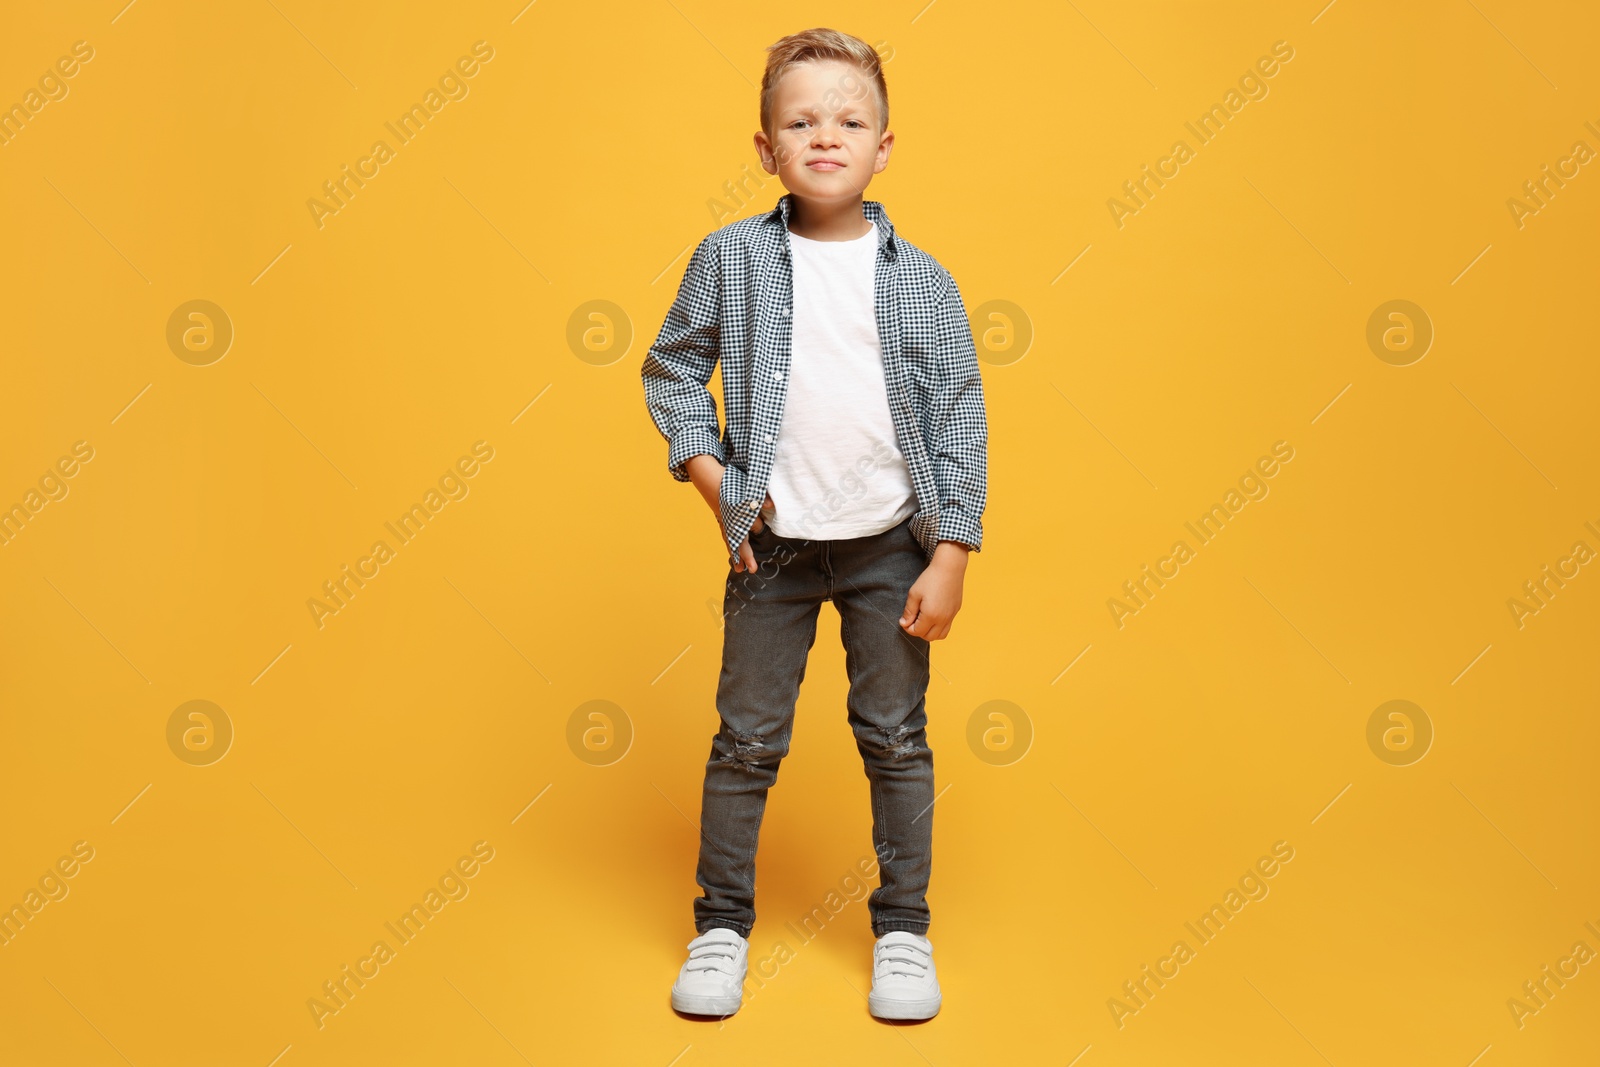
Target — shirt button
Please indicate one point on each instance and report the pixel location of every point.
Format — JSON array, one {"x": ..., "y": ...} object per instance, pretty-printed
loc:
[
  {"x": 777, "y": 375},
  {"x": 767, "y": 438},
  {"x": 785, "y": 312}
]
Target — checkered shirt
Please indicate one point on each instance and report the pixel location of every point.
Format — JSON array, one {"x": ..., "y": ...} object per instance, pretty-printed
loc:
[{"x": 735, "y": 305}]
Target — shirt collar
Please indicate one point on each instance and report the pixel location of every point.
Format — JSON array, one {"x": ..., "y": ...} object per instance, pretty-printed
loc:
[{"x": 872, "y": 209}]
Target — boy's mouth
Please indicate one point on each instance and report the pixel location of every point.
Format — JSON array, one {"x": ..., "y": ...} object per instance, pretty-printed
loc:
[{"x": 825, "y": 164}]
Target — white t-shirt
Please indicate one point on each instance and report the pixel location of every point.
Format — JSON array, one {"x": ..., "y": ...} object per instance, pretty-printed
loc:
[{"x": 837, "y": 469}]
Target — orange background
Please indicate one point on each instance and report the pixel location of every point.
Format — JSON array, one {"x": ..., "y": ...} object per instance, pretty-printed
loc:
[{"x": 1116, "y": 800}]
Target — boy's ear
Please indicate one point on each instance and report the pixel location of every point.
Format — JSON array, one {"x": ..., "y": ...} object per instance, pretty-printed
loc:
[
  {"x": 764, "y": 150},
  {"x": 885, "y": 146}
]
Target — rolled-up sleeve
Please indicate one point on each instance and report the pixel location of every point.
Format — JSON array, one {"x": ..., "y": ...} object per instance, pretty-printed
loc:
[
  {"x": 679, "y": 364},
  {"x": 961, "y": 426}
]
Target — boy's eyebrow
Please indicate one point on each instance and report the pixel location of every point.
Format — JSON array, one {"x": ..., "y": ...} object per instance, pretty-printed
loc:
[{"x": 810, "y": 109}]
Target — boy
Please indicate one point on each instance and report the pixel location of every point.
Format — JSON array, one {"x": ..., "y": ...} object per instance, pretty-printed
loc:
[{"x": 852, "y": 469}]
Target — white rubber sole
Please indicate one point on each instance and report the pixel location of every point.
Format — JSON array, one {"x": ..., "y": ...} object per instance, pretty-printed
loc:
[
  {"x": 904, "y": 1009},
  {"x": 700, "y": 1004}
]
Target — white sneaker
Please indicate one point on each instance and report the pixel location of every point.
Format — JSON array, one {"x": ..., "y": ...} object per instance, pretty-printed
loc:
[
  {"x": 711, "y": 981},
  {"x": 905, "y": 984}
]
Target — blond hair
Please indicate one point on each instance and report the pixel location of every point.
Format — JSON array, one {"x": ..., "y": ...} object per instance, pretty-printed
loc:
[{"x": 823, "y": 44}]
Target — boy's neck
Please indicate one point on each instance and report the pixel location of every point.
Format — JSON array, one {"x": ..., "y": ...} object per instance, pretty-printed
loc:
[{"x": 844, "y": 221}]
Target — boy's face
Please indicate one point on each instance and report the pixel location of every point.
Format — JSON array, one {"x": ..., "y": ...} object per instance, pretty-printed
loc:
[{"x": 827, "y": 141}]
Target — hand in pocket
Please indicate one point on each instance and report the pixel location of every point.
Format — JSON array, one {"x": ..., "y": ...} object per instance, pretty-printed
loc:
[{"x": 747, "y": 556}]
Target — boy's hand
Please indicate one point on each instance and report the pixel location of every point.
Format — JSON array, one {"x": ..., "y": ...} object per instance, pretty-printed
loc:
[
  {"x": 935, "y": 597},
  {"x": 706, "y": 474},
  {"x": 747, "y": 557}
]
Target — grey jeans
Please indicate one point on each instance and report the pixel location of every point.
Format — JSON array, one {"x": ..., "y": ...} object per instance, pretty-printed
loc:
[{"x": 770, "y": 624}]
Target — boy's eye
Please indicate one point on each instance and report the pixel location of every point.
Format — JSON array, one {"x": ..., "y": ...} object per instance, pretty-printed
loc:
[{"x": 848, "y": 122}]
